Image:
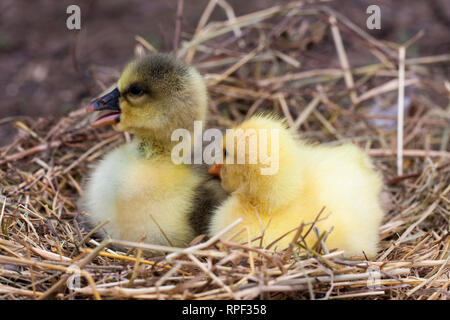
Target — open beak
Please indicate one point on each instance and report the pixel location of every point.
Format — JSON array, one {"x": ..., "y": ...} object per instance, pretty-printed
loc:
[
  {"x": 215, "y": 169},
  {"x": 109, "y": 101}
]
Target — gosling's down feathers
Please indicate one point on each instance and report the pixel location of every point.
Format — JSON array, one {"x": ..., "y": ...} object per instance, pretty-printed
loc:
[
  {"x": 310, "y": 177},
  {"x": 137, "y": 187}
]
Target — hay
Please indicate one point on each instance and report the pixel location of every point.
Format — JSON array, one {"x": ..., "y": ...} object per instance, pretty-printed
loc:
[{"x": 265, "y": 60}]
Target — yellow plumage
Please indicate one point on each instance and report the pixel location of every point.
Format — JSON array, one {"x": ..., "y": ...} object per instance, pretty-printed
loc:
[
  {"x": 310, "y": 177},
  {"x": 142, "y": 196}
]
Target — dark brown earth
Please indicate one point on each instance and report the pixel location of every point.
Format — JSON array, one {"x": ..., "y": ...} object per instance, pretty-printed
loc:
[{"x": 46, "y": 69}]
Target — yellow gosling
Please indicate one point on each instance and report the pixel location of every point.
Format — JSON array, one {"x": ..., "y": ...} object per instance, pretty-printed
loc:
[
  {"x": 137, "y": 187},
  {"x": 310, "y": 177}
]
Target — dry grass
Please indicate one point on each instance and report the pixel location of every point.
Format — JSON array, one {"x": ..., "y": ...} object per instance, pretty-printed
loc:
[{"x": 256, "y": 62}]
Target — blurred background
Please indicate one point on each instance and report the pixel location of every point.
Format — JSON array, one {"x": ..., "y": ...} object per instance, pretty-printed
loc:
[{"x": 46, "y": 70}]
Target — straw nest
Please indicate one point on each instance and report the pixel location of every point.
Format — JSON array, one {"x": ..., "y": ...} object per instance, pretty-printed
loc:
[{"x": 266, "y": 60}]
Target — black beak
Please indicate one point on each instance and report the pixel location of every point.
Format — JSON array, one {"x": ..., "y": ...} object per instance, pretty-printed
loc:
[{"x": 109, "y": 101}]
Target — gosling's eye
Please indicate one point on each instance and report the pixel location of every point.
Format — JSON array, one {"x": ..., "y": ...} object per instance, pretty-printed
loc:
[{"x": 136, "y": 91}]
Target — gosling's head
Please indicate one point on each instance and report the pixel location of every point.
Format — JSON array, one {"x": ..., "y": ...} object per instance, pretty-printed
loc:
[
  {"x": 155, "y": 95},
  {"x": 252, "y": 153},
  {"x": 268, "y": 176}
]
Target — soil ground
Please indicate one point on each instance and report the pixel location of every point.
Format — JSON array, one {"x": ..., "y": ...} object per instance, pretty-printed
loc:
[{"x": 46, "y": 70}]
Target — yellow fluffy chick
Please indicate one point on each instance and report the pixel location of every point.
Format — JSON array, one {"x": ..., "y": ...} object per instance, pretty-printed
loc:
[
  {"x": 137, "y": 187},
  {"x": 309, "y": 178}
]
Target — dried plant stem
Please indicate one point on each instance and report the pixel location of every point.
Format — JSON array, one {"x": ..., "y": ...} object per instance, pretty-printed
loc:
[
  {"x": 345, "y": 65},
  {"x": 401, "y": 108}
]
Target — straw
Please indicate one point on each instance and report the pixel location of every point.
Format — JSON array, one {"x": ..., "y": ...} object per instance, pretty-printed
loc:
[{"x": 265, "y": 61}]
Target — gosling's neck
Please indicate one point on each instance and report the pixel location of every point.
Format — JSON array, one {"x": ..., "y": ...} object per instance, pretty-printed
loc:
[
  {"x": 159, "y": 143},
  {"x": 147, "y": 148}
]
